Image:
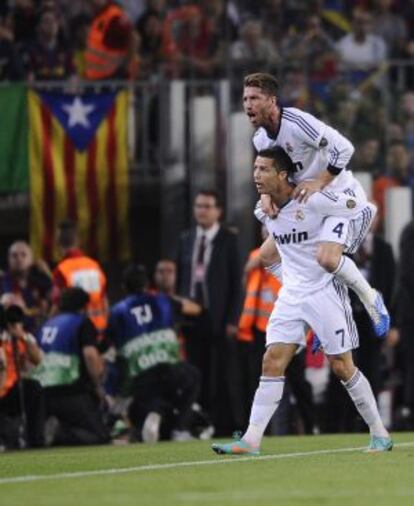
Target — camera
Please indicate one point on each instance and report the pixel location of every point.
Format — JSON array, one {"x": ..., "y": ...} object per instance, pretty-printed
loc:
[{"x": 11, "y": 314}]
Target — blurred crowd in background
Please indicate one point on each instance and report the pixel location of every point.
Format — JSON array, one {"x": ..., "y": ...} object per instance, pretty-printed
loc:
[{"x": 350, "y": 63}]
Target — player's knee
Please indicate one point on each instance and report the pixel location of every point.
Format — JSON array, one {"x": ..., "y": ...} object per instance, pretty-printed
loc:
[
  {"x": 341, "y": 368},
  {"x": 327, "y": 259},
  {"x": 273, "y": 363}
]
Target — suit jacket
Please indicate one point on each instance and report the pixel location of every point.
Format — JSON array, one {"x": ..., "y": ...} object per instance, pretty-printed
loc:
[
  {"x": 404, "y": 300},
  {"x": 223, "y": 276}
]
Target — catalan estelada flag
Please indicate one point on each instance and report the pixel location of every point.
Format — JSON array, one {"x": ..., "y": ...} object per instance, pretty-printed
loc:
[{"x": 78, "y": 159}]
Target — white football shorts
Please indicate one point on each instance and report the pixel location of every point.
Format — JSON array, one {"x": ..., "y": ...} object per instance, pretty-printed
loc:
[{"x": 327, "y": 312}]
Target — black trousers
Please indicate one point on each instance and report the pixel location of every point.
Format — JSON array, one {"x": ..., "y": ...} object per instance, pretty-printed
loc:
[
  {"x": 33, "y": 402},
  {"x": 80, "y": 418},
  {"x": 167, "y": 389},
  {"x": 407, "y": 348},
  {"x": 217, "y": 358}
]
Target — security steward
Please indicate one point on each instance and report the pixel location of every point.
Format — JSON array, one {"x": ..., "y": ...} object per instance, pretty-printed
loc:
[{"x": 112, "y": 44}]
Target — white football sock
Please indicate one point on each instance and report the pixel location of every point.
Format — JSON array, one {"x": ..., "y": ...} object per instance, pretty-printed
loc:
[
  {"x": 265, "y": 403},
  {"x": 360, "y": 391},
  {"x": 352, "y": 277},
  {"x": 276, "y": 271}
]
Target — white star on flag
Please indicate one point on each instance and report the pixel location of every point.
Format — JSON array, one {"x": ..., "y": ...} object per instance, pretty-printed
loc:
[{"x": 78, "y": 113}]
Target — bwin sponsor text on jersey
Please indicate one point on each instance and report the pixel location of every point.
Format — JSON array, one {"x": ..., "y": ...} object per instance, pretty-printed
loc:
[{"x": 291, "y": 238}]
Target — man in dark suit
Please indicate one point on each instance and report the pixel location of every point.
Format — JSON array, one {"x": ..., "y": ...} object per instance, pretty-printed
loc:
[
  {"x": 209, "y": 271},
  {"x": 404, "y": 310}
]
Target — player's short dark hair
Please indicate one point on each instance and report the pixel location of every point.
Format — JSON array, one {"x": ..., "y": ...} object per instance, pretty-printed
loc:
[
  {"x": 67, "y": 233},
  {"x": 281, "y": 160},
  {"x": 266, "y": 82},
  {"x": 73, "y": 300},
  {"x": 209, "y": 192},
  {"x": 135, "y": 278}
]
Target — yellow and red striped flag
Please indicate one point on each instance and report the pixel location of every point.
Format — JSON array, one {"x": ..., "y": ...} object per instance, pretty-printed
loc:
[{"x": 78, "y": 158}]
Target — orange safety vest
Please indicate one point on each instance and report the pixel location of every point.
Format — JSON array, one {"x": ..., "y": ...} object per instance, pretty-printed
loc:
[
  {"x": 262, "y": 289},
  {"x": 84, "y": 272},
  {"x": 102, "y": 62},
  {"x": 11, "y": 372}
]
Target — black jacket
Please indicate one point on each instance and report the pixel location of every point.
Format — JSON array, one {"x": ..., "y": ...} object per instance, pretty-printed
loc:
[{"x": 404, "y": 300}]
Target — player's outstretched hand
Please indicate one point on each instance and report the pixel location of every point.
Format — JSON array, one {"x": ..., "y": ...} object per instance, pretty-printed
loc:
[
  {"x": 305, "y": 189},
  {"x": 268, "y": 207}
]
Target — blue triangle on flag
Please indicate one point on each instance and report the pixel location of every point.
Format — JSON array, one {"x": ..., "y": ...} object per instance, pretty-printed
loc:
[{"x": 79, "y": 115}]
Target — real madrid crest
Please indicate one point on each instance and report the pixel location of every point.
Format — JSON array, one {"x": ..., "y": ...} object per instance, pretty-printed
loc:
[
  {"x": 300, "y": 215},
  {"x": 289, "y": 147}
]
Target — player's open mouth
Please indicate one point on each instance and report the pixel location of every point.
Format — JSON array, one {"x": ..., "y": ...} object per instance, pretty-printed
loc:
[{"x": 252, "y": 116}]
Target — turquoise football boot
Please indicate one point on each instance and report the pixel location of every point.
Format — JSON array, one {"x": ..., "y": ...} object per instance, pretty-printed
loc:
[
  {"x": 379, "y": 444},
  {"x": 238, "y": 447}
]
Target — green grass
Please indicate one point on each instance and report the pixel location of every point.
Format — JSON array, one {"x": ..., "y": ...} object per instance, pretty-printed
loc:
[{"x": 352, "y": 478}]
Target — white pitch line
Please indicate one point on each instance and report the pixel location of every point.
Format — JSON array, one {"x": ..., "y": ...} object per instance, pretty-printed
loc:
[{"x": 176, "y": 465}]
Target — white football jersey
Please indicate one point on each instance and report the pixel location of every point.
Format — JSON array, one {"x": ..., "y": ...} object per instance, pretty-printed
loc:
[
  {"x": 296, "y": 231},
  {"x": 312, "y": 145}
]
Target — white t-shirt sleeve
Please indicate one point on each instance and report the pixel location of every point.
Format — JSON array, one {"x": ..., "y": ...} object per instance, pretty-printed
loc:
[{"x": 260, "y": 214}]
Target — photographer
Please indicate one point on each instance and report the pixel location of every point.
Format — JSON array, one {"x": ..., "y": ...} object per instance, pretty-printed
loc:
[
  {"x": 71, "y": 374},
  {"x": 19, "y": 397}
]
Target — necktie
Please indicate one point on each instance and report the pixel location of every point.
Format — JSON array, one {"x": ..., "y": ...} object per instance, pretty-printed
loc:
[{"x": 200, "y": 271}]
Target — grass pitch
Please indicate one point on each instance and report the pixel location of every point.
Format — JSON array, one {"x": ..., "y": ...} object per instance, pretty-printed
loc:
[{"x": 318, "y": 470}]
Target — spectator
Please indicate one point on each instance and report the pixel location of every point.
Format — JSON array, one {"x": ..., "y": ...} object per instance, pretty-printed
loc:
[
  {"x": 313, "y": 48},
  {"x": 366, "y": 158},
  {"x": 78, "y": 270},
  {"x": 71, "y": 374},
  {"x": 398, "y": 173},
  {"x": 47, "y": 58},
  {"x": 20, "y": 397},
  {"x": 360, "y": 51},
  {"x": 27, "y": 283},
  {"x": 209, "y": 272},
  {"x": 253, "y": 50},
  {"x": 225, "y": 26},
  {"x": 165, "y": 279},
  {"x": 185, "y": 310},
  {"x": 155, "y": 8},
  {"x": 190, "y": 43},
  {"x": 24, "y": 20},
  {"x": 112, "y": 46},
  {"x": 151, "y": 28},
  {"x": 275, "y": 20},
  {"x": 141, "y": 327},
  {"x": 10, "y": 64},
  {"x": 390, "y": 26}
]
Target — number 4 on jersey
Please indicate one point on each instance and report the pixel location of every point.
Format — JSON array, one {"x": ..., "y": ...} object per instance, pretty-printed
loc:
[{"x": 339, "y": 229}]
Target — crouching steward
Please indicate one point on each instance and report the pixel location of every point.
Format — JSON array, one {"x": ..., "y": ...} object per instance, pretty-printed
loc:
[
  {"x": 70, "y": 374},
  {"x": 163, "y": 389}
]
